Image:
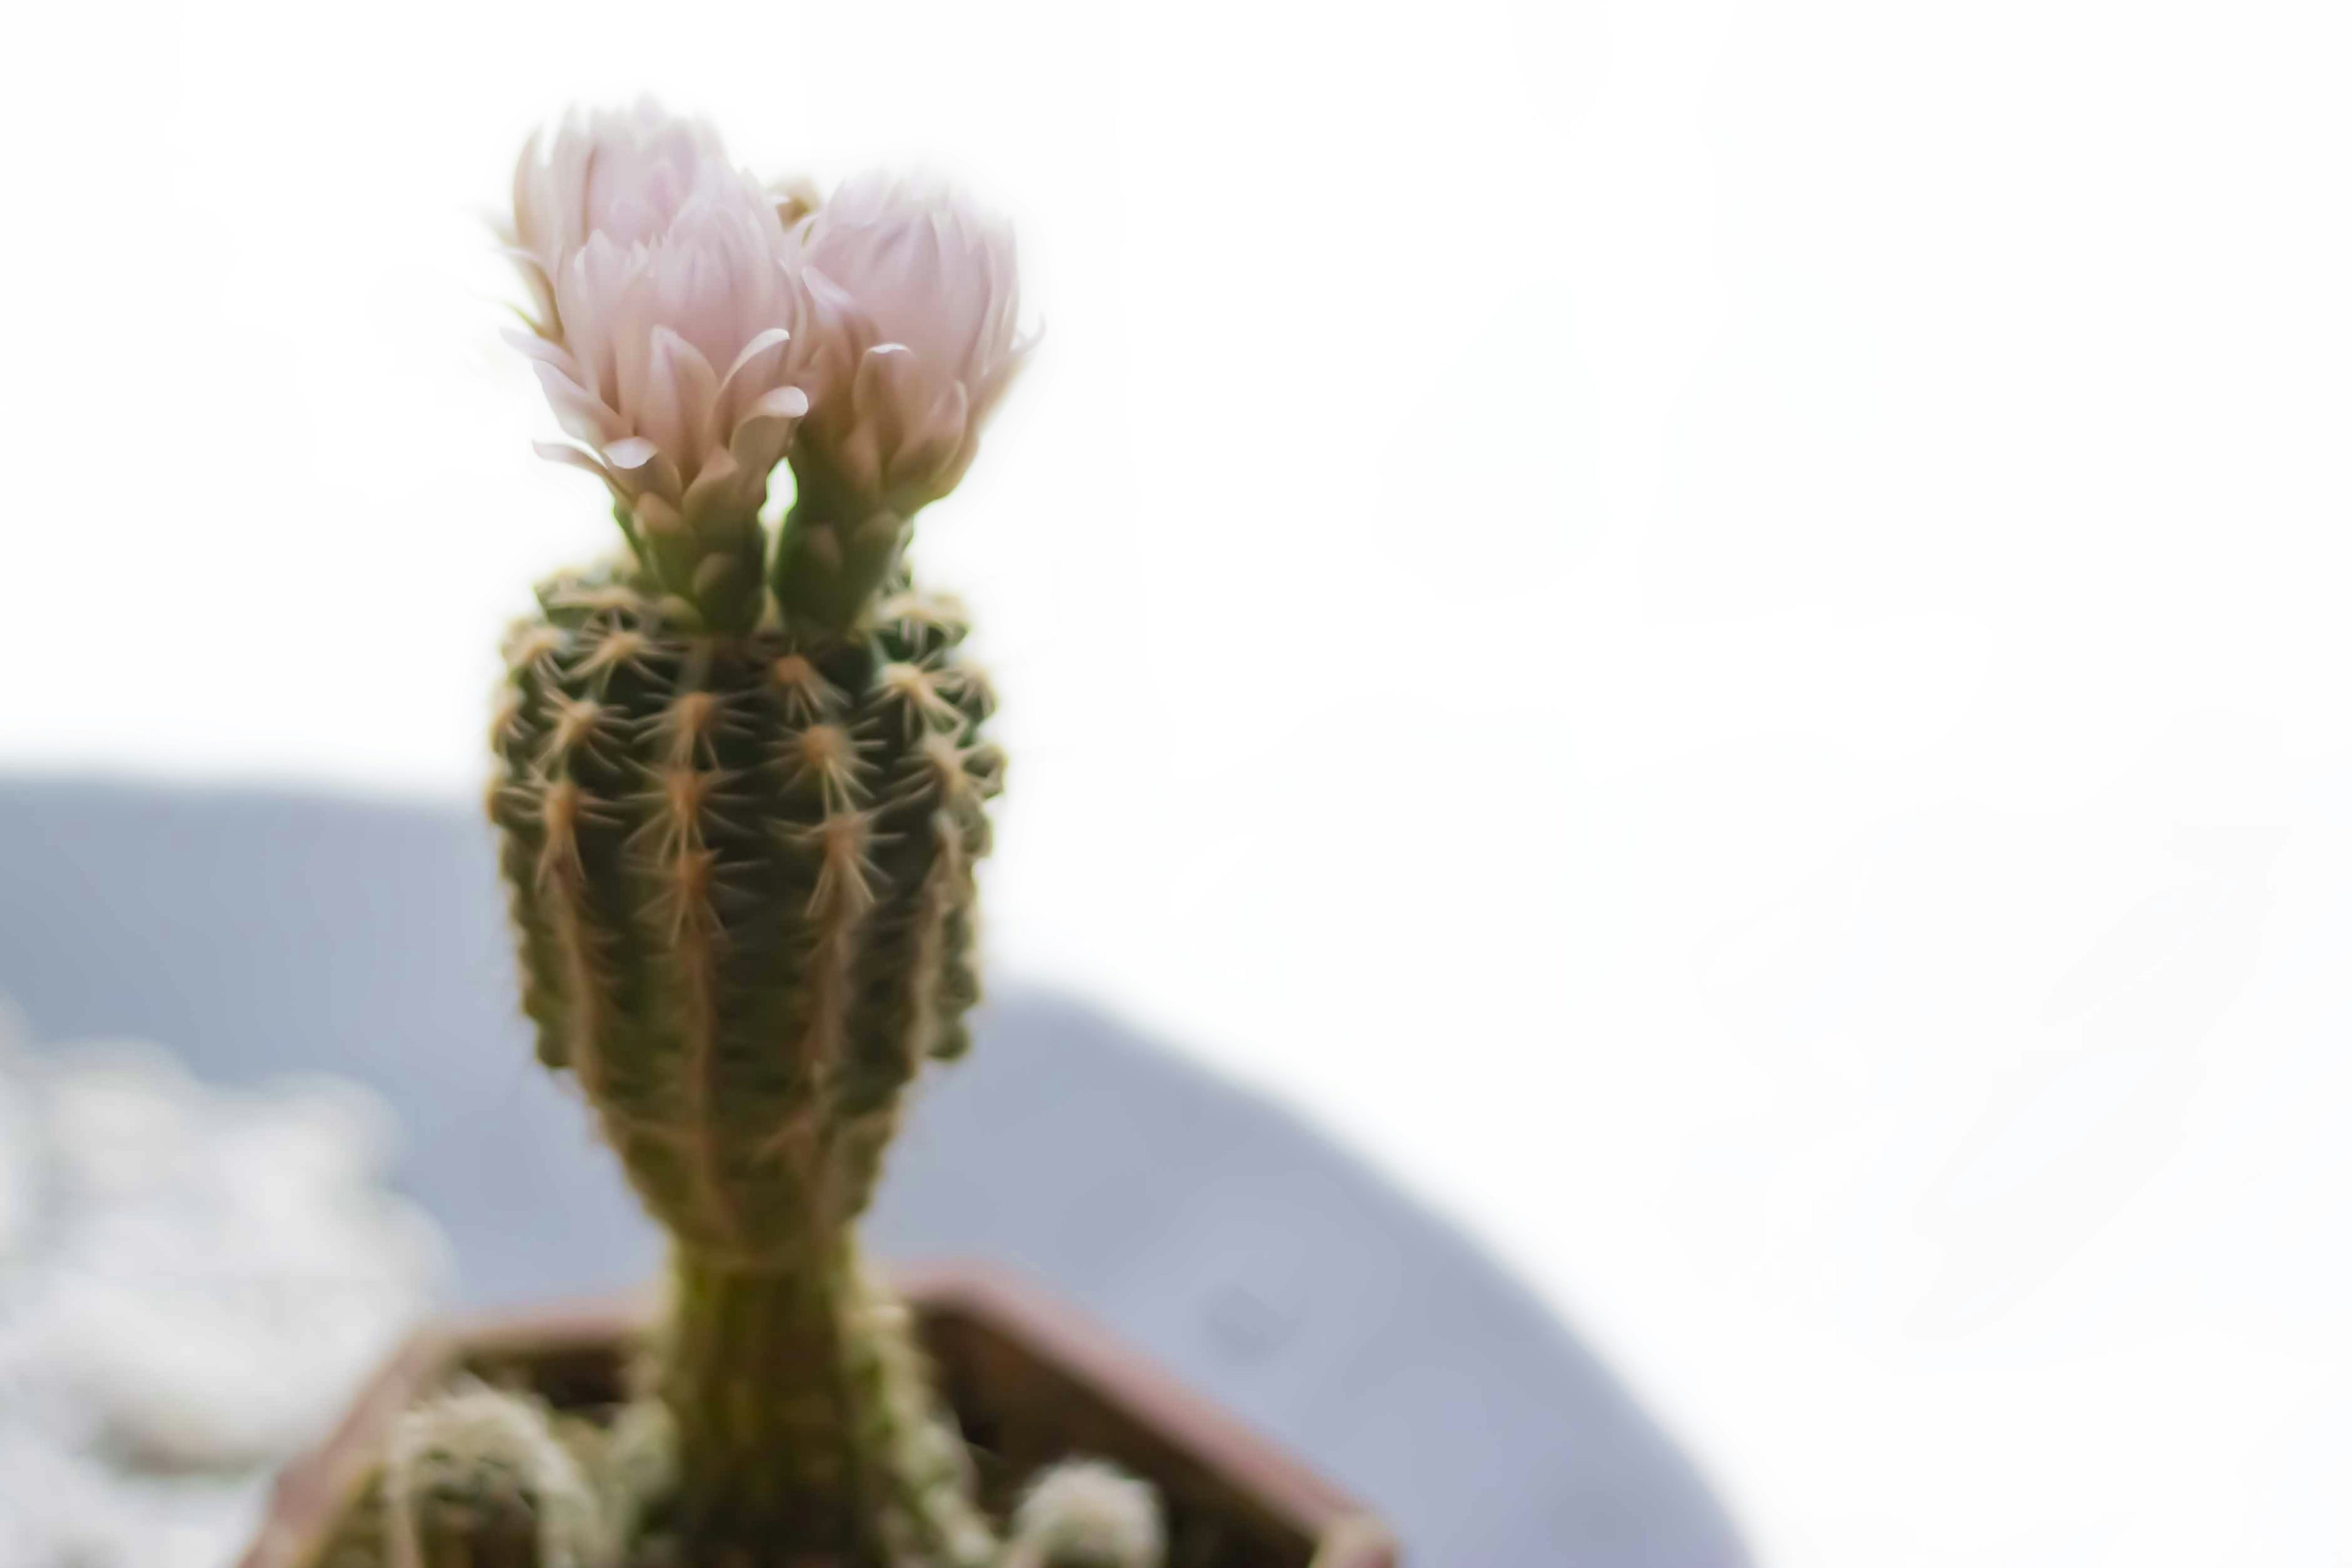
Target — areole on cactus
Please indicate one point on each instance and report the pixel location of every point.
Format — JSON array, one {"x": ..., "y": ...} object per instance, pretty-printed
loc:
[{"x": 741, "y": 796}]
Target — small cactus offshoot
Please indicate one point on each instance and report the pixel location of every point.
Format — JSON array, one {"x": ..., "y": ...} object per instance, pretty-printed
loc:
[
  {"x": 478, "y": 1478},
  {"x": 742, "y": 783},
  {"x": 1085, "y": 1513}
]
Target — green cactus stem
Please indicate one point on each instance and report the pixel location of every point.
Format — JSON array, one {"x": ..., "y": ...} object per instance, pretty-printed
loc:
[
  {"x": 742, "y": 874},
  {"x": 837, "y": 549}
]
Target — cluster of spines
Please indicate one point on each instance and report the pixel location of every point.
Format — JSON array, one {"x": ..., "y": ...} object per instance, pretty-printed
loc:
[{"x": 742, "y": 873}]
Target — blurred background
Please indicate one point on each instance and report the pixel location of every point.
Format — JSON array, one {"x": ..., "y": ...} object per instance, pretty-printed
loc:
[{"x": 1713, "y": 632}]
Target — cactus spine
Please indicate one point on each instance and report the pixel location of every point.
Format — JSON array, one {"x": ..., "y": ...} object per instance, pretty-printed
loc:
[{"x": 740, "y": 870}]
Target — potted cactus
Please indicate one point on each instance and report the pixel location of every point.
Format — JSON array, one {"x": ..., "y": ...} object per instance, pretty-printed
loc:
[{"x": 740, "y": 791}]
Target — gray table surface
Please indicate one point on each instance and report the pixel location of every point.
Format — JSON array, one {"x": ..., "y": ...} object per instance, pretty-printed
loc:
[{"x": 259, "y": 934}]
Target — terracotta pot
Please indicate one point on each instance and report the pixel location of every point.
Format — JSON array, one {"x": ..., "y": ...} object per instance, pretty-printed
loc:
[{"x": 1029, "y": 1378}]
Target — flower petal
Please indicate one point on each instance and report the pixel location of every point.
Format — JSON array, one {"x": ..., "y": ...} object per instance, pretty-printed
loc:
[
  {"x": 645, "y": 466},
  {"x": 579, "y": 414},
  {"x": 572, "y": 457},
  {"x": 720, "y": 490},
  {"x": 761, "y": 436},
  {"x": 773, "y": 338}
]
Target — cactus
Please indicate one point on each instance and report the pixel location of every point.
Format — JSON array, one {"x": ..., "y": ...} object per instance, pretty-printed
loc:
[
  {"x": 1084, "y": 1513},
  {"x": 478, "y": 1478},
  {"x": 740, "y": 794},
  {"x": 740, "y": 870}
]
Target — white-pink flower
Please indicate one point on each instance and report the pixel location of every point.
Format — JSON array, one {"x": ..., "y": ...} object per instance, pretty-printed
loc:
[
  {"x": 624, "y": 172},
  {"x": 671, "y": 328},
  {"x": 919, "y": 300}
]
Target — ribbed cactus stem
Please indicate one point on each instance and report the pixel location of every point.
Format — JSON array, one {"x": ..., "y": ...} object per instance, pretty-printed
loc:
[
  {"x": 801, "y": 1398},
  {"x": 741, "y": 875},
  {"x": 752, "y": 1370}
]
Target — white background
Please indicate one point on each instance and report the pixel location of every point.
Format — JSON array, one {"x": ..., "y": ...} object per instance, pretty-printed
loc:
[{"x": 1718, "y": 631}]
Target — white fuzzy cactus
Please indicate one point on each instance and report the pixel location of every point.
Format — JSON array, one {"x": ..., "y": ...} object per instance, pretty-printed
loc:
[
  {"x": 1086, "y": 1513},
  {"x": 474, "y": 1467}
]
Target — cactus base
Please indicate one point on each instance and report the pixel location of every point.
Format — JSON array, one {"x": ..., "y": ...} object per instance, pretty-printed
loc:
[
  {"x": 1029, "y": 1383},
  {"x": 802, "y": 1395}
]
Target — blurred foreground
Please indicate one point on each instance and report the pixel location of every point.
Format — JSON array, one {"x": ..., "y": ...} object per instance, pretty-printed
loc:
[{"x": 192, "y": 1281}]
